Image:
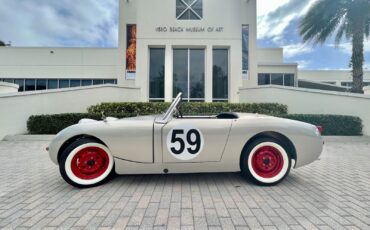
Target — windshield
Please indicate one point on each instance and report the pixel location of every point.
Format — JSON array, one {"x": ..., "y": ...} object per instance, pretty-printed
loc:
[{"x": 173, "y": 107}]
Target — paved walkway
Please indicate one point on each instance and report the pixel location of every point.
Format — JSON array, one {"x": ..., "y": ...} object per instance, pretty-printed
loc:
[{"x": 332, "y": 193}]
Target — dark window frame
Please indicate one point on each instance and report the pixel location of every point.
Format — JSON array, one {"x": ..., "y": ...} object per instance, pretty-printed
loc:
[{"x": 260, "y": 75}]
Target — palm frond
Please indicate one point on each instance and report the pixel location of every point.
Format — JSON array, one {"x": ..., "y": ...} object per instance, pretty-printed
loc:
[
  {"x": 322, "y": 20},
  {"x": 343, "y": 28}
]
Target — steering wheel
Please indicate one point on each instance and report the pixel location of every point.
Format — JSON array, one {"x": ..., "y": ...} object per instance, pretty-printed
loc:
[{"x": 178, "y": 114}]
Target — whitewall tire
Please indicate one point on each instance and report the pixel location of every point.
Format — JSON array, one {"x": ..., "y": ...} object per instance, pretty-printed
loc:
[
  {"x": 265, "y": 162},
  {"x": 86, "y": 163}
]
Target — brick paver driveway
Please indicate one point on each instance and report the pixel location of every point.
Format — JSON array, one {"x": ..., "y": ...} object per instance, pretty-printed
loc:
[{"x": 333, "y": 192}]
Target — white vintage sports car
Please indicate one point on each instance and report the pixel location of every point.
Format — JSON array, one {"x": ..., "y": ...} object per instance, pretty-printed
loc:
[{"x": 263, "y": 148}]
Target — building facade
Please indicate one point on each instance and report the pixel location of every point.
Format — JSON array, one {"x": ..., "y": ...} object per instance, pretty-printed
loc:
[{"x": 206, "y": 49}]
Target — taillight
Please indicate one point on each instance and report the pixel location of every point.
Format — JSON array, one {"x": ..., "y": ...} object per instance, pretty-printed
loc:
[{"x": 320, "y": 129}]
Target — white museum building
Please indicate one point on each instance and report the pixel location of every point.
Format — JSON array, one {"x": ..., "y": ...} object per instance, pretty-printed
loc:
[{"x": 206, "y": 49}]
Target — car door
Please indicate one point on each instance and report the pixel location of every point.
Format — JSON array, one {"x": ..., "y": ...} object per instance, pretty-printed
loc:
[{"x": 194, "y": 140}]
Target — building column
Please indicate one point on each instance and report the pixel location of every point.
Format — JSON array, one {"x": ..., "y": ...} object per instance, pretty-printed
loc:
[
  {"x": 208, "y": 81},
  {"x": 168, "y": 76}
]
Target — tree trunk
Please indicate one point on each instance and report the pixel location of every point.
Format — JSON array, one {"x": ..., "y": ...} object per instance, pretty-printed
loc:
[{"x": 357, "y": 61}]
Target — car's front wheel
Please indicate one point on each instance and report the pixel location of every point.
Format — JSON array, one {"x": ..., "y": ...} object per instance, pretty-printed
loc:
[
  {"x": 265, "y": 161},
  {"x": 86, "y": 163}
]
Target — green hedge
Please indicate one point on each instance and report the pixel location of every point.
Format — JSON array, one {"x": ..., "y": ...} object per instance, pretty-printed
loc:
[
  {"x": 52, "y": 124},
  {"x": 191, "y": 108},
  {"x": 333, "y": 125}
]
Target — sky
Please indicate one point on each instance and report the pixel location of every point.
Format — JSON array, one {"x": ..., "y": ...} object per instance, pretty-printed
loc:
[{"x": 94, "y": 23}]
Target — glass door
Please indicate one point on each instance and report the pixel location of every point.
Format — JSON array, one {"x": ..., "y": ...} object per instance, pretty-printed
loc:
[
  {"x": 188, "y": 73},
  {"x": 156, "y": 74}
]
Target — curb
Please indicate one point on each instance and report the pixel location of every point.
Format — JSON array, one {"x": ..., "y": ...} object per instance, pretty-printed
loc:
[
  {"x": 346, "y": 139},
  {"x": 28, "y": 138}
]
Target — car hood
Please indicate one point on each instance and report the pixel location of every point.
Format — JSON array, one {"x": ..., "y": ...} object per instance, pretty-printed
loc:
[
  {"x": 113, "y": 119},
  {"x": 266, "y": 118}
]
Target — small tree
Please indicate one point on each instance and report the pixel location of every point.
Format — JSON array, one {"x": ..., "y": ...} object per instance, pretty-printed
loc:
[{"x": 2, "y": 43}]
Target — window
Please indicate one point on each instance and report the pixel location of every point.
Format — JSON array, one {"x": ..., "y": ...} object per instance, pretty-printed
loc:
[
  {"x": 98, "y": 82},
  {"x": 220, "y": 74},
  {"x": 189, "y": 9},
  {"x": 346, "y": 84},
  {"x": 288, "y": 79},
  {"x": 41, "y": 84},
  {"x": 330, "y": 82},
  {"x": 276, "y": 79},
  {"x": 349, "y": 84},
  {"x": 86, "y": 82},
  {"x": 52, "y": 84},
  {"x": 20, "y": 82},
  {"x": 30, "y": 85},
  {"x": 110, "y": 81},
  {"x": 75, "y": 83},
  {"x": 245, "y": 50},
  {"x": 188, "y": 73},
  {"x": 264, "y": 79},
  {"x": 156, "y": 74},
  {"x": 63, "y": 84}
]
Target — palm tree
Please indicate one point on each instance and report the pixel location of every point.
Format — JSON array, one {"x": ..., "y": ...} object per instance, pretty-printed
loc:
[{"x": 344, "y": 18}]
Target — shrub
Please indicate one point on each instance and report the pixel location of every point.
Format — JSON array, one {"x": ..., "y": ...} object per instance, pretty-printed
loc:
[
  {"x": 52, "y": 124},
  {"x": 333, "y": 125},
  {"x": 191, "y": 108}
]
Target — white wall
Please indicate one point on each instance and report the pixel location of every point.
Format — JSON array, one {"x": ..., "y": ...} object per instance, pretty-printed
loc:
[
  {"x": 270, "y": 55},
  {"x": 6, "y": 87},
  {"x": 278, "y": 68},
  {"x": 305, "y": 101},
  {"x": 15, "y": 109},
  {"x": 49, "y": 62},
  {"x": 367, "y": 90},
  {"x": 329, "y": 75}
]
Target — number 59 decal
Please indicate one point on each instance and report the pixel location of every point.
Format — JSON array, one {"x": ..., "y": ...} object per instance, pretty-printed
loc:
[{"x": 185, "y": 142}]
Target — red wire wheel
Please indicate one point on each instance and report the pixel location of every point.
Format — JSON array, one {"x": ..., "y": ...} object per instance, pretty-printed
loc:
[
  {"x": 267, "y": 162},
  {"x": 90, "y": 163}
]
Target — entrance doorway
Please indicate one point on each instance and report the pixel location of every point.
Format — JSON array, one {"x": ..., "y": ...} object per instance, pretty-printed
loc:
[{"x": 189, "y": 73}]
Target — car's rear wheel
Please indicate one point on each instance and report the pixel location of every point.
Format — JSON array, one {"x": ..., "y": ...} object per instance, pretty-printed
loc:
[
  {"x": 265, "y": 161},
  {"x": 86, "y": 163}
]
